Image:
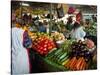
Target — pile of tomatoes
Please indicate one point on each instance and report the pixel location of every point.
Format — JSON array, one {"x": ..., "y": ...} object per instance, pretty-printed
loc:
[{"x": 43, "y": 45}]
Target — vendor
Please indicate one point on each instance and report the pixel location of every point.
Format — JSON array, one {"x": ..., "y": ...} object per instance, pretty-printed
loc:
[
  {"x": 77, "y": 32},
  {"x": 70, "y": 21},
  {"x": 20, "y": 49}
]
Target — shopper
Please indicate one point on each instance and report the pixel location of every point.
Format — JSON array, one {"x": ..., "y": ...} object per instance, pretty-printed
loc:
[
  {"x": 77, "y": 32},
  {"x": 46, "y": 26},
  {"x": 13, "y": 18},
  {"x": 42, "y": 27},
  {"x": 20, "y": 49},
  {"x": 29, "y": 18},
  {"x": 25, "y": 18}
]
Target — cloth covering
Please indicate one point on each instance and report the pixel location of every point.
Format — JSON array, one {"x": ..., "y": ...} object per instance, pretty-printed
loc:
[{"x": 20, "y": 60}]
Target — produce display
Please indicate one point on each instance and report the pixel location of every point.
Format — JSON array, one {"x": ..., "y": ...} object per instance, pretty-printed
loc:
[
  {"x": 79, "y": 49},
  {"x": 33, "y": 36},
  {"x": 90, "y": 43},
  {"x": 71, "y": 54},
  {"x": 57, "y": 36},
  {"x": 58, "y": 56},
  {"x": 66, "y": 45},
  {"x": 43, "y": 44},
  {"x": 76, "y": 64},
  {"x": 74, "y": 55},
  {"x": 92, "y": 30}
]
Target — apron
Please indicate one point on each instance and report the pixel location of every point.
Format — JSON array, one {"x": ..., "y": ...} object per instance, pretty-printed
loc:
[
  {"x": 78, "y": 34},
  {"x": 20, "y": 59}
]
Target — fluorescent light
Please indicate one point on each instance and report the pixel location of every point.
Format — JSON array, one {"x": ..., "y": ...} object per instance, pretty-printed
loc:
[{"x": 25, "y": 4}]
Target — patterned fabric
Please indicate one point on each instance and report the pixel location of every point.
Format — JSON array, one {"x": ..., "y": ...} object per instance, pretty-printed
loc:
[{"x": 26, "y": 40}]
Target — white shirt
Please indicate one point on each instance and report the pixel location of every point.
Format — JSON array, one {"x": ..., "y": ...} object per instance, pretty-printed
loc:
[
  {"x": 20, "y": 60},
  {"x": 78, "y": 33}
]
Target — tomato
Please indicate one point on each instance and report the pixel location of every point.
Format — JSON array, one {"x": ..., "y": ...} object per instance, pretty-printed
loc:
[
  {"x": 45, "y": 46},
  {"x": 41, "y": 52},
  {"x": 35, "y": 44},
  {"x": 38, "y": 47},
  {"x": 41, "y": 48},
  {"x": 50, "y": 47},
  {"x": 46, "y": 41},
  {"x": 45, "y": 49},
  {"x": 41, "y": 44},
  {"x": 42, "y": 39},
  {"x": 45, "y": 52}
]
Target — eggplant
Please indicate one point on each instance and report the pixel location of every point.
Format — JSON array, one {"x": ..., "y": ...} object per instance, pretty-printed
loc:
[
  {"x": 87, "y": 55},
  {"x": 78, "y": 53}
]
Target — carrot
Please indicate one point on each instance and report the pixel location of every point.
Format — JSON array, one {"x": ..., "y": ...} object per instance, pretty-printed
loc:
[
  {"x": 72, "y": 62},
  {"x": 68, "y": 64},
  {"x": 82, "y": 65},
  {"x": 79, "y": 63}
]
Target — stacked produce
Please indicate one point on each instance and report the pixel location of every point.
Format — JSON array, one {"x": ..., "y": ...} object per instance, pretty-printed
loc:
[
  {"x": 80, "y": 56},
  {"x": 57, "y": 36},
  {"x": 57, "y": 55},
  {"x": 90, "y": 44},
  {"x": 62, "y": 54},
  {"x": 33, "y": 36},
  {"x": 66, "y": 45},
  {"x": 43, "y": 44},
  {"x": 73, "y": 55},
  {"x": 79, "y": 49},
  {"x": 75, "y": 63},
  {"x": 92, "y": 30}
]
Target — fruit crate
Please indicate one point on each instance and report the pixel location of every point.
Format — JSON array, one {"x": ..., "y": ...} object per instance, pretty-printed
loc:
[{"x": 46, "y": 65}]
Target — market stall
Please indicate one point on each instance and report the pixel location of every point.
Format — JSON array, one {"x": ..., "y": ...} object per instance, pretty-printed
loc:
[
  {"x": 53, "y": 47},
  {"x": 63, "y": 56}
]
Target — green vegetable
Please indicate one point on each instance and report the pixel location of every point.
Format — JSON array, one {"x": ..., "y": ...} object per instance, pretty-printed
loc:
[
  {"x": 65, "y": 58},
  {"x": 53, "y": 55},
  {"x": 51, "y": 52},
  {"x": 59, "y": 50},
  {"x": 60, "y": 54}
]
